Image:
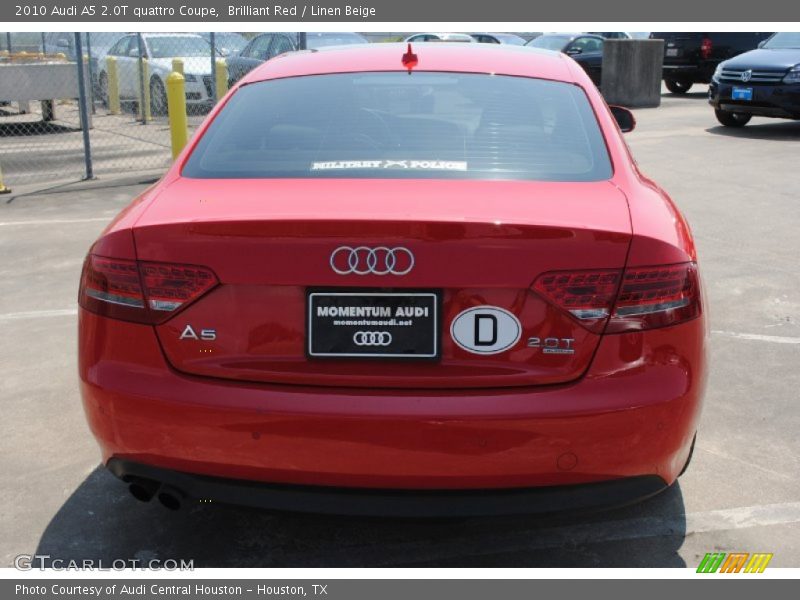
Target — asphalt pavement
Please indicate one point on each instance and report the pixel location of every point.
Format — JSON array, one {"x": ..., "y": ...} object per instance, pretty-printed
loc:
[{"x": 739, "y": 190}]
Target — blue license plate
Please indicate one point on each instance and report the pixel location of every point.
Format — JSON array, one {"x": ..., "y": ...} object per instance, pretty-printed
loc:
[{"x": 740, "y": 93}]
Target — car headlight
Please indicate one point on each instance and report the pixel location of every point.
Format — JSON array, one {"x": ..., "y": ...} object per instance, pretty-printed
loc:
[
  {"x": 793, "y": 76},
  {"x": 189, "y": 77},
  {"x": 717, "y": 73}
]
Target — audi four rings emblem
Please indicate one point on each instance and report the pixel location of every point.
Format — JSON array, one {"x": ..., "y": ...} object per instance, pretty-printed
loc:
[
  {"x": 372, "y": 338},
  {"x": 363, "y": 260}
]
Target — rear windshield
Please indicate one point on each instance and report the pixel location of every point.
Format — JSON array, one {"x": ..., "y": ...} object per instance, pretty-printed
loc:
[{"x": 395, "y": 125}]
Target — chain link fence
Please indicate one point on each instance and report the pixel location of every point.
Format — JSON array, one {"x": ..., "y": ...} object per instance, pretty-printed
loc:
[
  {"x": 124, "y": 92},
  {"x": 123, "y": 95}
]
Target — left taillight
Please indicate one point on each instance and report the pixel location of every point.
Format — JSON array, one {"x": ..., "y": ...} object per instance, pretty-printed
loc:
[{"x": 142, "y": 292}]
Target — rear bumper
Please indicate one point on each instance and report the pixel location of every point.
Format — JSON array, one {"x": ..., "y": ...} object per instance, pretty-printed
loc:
[
  {"x": 779, "y": 101},
  {"x": 395, "y": 503},
  {"x": 633, "y": 414},
  {"x": 695, "y": 73}
]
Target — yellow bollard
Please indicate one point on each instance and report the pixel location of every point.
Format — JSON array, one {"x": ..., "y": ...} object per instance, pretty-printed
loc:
[
  {"x": 144, "y": 103},
  {"x": 112, "y": 83},
  {"x": 176, "y": 105},
  {"x": 3, "y": 188},
  {"x": 177, "y": 65},
  {"x": 221, "y": 68}
]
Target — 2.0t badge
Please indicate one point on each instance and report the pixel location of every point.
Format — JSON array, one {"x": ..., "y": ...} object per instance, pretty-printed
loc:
[{"x": 485, "y": 330}]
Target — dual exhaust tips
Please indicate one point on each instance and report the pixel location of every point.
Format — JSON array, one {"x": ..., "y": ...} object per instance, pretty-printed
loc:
[{"x": 145, "y": 489}]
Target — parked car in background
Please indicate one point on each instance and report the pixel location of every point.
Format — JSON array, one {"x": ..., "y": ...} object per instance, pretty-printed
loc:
[
  {"x": 498, "y": 38},
  {"x": 441, "y": 37},
  {"x": 160, "y": 49},
  {"x": 268, "y": 45},
  {"x": 763, "y": 82},
  {"x": 692, "y": 57},
  {"x": 586, "y": 49},
  {"x": 226, "y": 43}
]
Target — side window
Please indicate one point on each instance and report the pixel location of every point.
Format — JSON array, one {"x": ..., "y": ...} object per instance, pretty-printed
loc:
[
  {"x": 280, "y": 45},
  {"x": 593, "y": 45},
  {"x": 259, "y": 47},
  {"x": 245, "y": 53},
  {"x": 121, "y": 47}
]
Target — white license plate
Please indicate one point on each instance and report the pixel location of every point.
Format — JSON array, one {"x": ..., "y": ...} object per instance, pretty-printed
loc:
[{"x": 672, "y": 52}]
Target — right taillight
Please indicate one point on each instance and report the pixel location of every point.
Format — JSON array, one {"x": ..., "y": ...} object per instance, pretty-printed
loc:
[
  {"x": 657, "y": 296},
  {"x": 142, "y": 292},
  {"x": 615, "y": 301}
]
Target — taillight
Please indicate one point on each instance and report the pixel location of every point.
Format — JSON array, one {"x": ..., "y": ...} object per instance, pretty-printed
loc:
[
  {"x": 143, "y": 292},
  {"x": 586, "y": 295},
  {"x": 631, "y": 300},
  {"x": 705, "y": 48},
  {"x": 651, "y": 297}
]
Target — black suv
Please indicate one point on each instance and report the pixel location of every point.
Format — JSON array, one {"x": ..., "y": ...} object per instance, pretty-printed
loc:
[
  {"x": 692, "y": 57},
  {"x": 763, "y": 82}
]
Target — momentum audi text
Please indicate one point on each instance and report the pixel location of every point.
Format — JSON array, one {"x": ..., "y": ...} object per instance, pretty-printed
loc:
[{"x": 415, "y": 279}]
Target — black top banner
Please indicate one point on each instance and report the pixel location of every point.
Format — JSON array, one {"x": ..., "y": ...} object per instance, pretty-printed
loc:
[{"x": 327, "y": 11}]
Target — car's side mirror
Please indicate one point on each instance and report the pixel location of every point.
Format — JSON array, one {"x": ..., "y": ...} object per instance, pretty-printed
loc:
[
  {"x": 624, "y": 118},
  {"x": 574, "y": 51}
]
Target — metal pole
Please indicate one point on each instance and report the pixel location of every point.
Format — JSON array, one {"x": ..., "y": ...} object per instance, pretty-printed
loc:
[
  {"x": 8, "y": 41},
  {"x": 301, "y": 41},
  {"x": 43, "y": 44},
  {"x": 213, "y": 91},
  {"x": 141, "y": 77},
  {"x": 91, "y": 69},
  {"x": 87, "y": 149}
]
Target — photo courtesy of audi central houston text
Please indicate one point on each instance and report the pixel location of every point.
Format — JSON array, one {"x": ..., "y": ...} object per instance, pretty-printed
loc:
[{"x": 404, "y": 279}]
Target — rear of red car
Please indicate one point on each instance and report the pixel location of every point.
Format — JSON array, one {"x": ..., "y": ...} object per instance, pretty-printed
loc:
[{"x": 364, "y": 290}]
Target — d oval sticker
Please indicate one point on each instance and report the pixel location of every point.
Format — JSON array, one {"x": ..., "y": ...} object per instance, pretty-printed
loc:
[{"x": 485, "y": 330}]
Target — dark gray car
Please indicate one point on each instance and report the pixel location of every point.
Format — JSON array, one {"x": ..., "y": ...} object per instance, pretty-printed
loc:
[{"x": 268, "y": 45}]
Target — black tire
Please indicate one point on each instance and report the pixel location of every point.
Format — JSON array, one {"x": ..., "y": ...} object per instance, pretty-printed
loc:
[
  {"x": 678, "y": 86},
  {"x": 688, "y": 458},
  {"x": 158, "y": 98},
  {"x": 102, "y": 85},
  {"x": 732, "y": 119}
]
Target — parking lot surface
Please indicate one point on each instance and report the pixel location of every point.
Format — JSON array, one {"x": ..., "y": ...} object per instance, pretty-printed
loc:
[{"x": 739, "y": 190}]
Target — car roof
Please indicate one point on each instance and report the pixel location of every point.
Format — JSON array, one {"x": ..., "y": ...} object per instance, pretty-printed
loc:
[{"x": 467, "y": 58}]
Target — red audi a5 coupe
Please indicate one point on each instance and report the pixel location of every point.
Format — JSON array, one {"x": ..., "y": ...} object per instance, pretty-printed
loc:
[{"x": 393, "y": 280}]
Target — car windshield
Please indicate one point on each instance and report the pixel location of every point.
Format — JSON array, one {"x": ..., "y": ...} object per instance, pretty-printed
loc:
[
  {"x": 392, "y": 125},
  {"x": 185, "y": 45},
  {"x": 549, "y": 42},
  {"x": 320, "y": 40},
  {"x": 783, "y": 40}
]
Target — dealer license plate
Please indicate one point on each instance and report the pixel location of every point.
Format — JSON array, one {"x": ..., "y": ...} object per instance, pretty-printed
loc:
[{"x": 373, "y": 324}]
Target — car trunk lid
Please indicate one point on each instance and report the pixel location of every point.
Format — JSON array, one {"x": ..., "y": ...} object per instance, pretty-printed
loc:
[{"x": 475, "y": 245}]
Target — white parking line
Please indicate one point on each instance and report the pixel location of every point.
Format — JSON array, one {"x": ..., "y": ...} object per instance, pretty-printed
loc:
[
  {"x": 38, "y": 314},
  {"x": 775, "y": 339},
  {"x": 54, "y": 221}
]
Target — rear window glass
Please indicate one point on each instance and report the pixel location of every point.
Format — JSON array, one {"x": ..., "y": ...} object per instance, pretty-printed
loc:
[{"x": 395, "y": 125}]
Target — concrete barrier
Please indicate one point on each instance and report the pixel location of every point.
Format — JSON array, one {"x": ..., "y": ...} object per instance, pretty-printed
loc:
[{"x": 632, "y": 72}]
